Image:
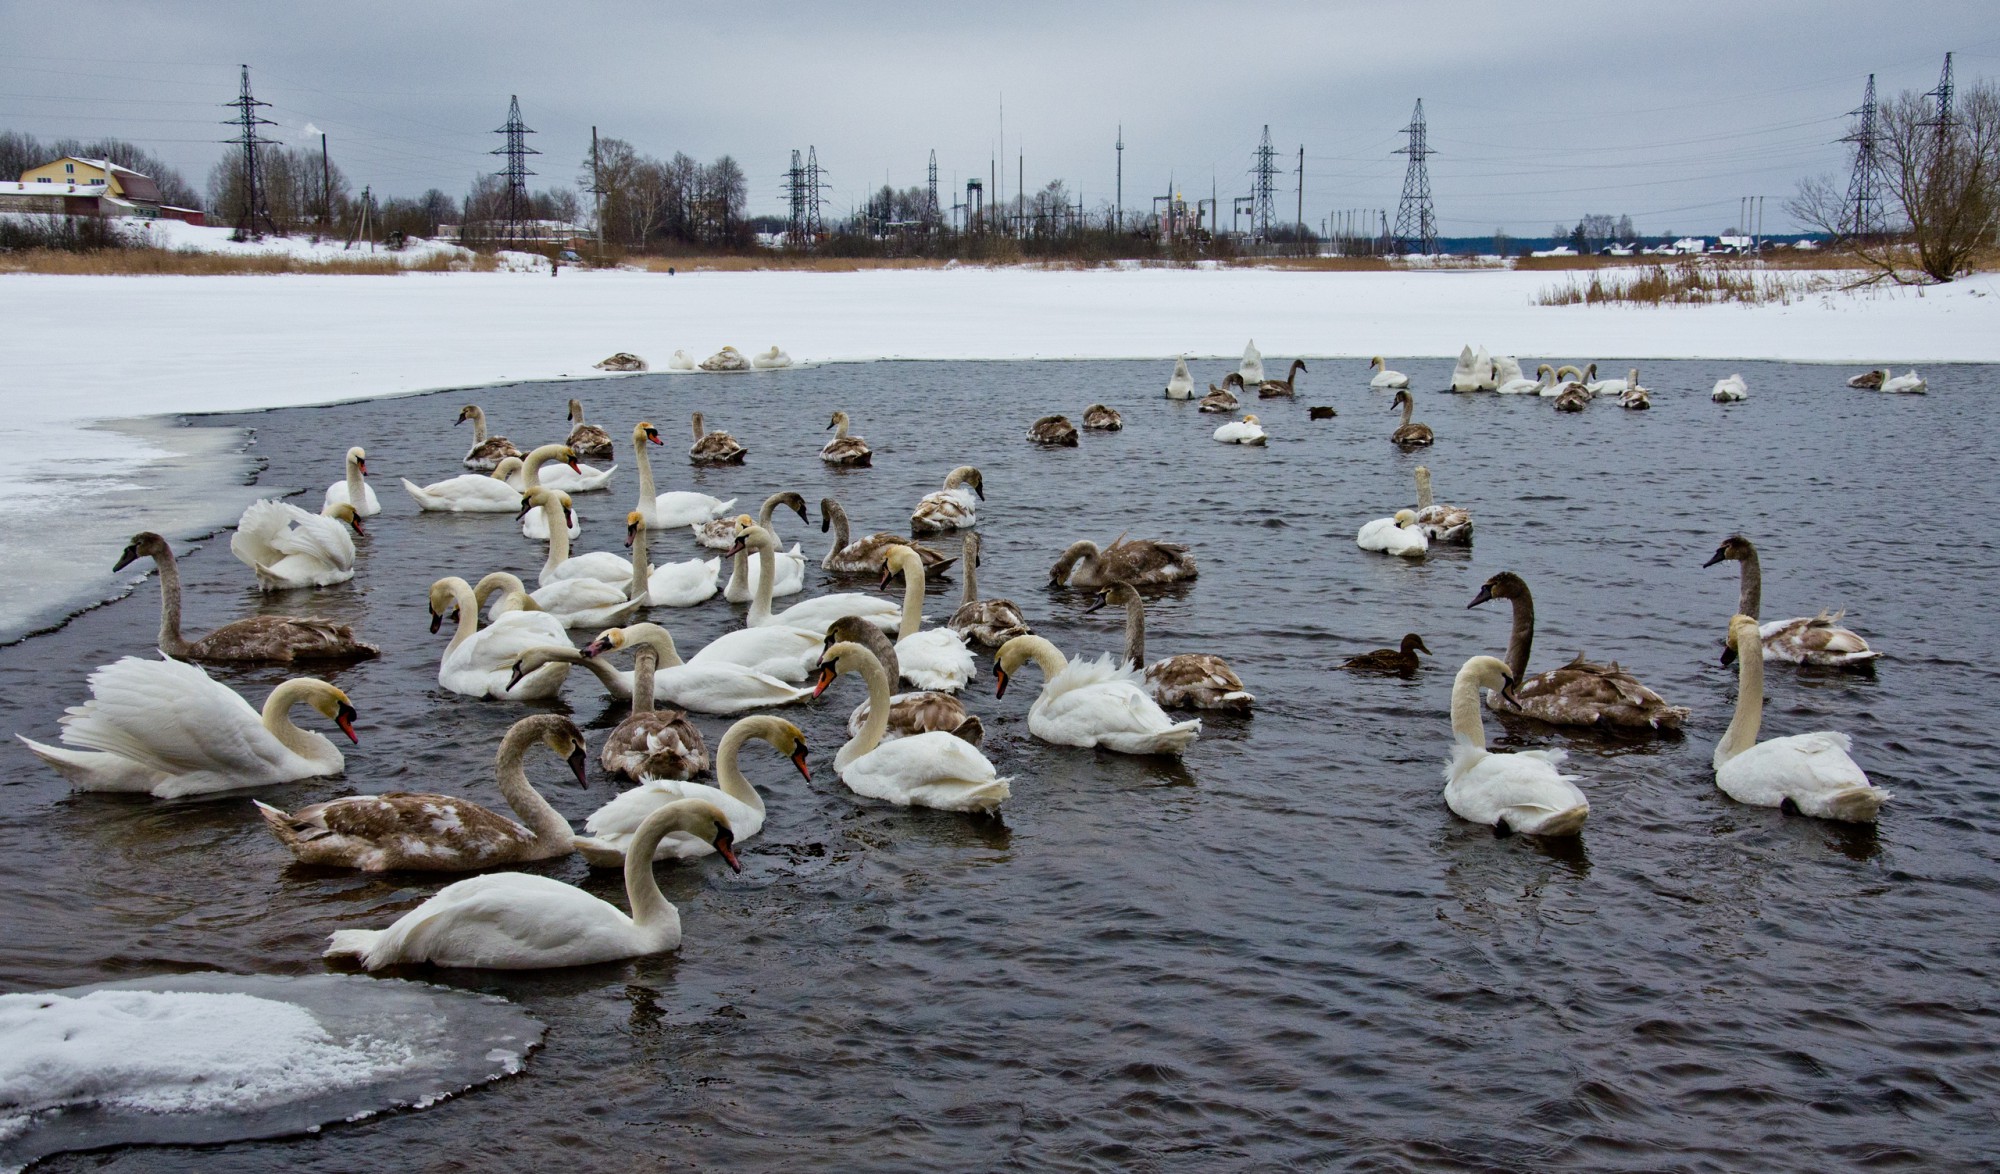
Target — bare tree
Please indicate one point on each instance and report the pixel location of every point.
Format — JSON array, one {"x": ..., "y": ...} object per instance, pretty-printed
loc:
[{"x": 1944, "y": 188}]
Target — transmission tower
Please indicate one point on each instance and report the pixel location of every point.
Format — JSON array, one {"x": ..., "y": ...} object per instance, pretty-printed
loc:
[
  {"x": 1943, "y": 123},
  {"x": 815, "y": 183},
  {"x": 515, "y": 211},
  {"x": 1416, "y": 220},
  {"x": 1863, "y": 216},
  {"x": 253, "y": 218},
  {"x": 931, "y": 214},
  {"x": 1262, "y": 172},
  {"x": 1118, "y": 225}
]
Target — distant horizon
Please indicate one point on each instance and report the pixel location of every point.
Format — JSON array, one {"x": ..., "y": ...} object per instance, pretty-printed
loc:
[{"x": 1538, "y": 114}]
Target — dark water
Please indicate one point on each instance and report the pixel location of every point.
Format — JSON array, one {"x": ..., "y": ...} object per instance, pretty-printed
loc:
[{"x": 1283, "y": 950}]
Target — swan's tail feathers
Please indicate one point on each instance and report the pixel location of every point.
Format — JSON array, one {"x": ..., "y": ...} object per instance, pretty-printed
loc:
[
  {"x": 70, "y": 764},
  {"x": 281, "y": 825},
  {"x": 353, "y": 943},
  {"x": 1567, "y": 822},
  {"x": 417, "y": 491},
  {"x": 600, "y": 853},
  {"x": 1856, "y": 804}
]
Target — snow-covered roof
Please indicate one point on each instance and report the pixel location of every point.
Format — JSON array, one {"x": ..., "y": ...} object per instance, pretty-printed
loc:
[{"x": 14, "y": 187}]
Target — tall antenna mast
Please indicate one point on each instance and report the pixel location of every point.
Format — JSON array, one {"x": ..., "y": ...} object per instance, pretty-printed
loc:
[
  {"x": 254, "y": 217},
  {"x": 1416, "y": 220},
  {"x": 1265, "y": 168},
  {"x": 1118, "y": 222},
  {"x": 1863, "y": 214},
  {"x": 515, "y": 211}
]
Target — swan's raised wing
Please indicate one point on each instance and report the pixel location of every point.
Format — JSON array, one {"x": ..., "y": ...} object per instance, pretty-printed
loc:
[
  {"x": 317, "y": 537},
  {"x": 501, "y": 643},
  {"x": 174, "y": 718},
  {"x": 260, "y": 529}
]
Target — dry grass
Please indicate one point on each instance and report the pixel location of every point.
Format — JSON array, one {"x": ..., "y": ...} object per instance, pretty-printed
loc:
[
  {"x": 1689, "y": 282},
  {"x": 787, "y": 261},
  {"x": 176, "y": 263}
]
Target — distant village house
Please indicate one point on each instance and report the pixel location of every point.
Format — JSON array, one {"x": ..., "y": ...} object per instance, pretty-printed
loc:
[{"x": 89, "y": 187}]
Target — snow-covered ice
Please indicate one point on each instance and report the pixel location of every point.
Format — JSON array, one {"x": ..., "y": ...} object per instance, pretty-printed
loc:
[
  {"x": 216, "y": 1057},
  {"x": 83, "y": 349}
]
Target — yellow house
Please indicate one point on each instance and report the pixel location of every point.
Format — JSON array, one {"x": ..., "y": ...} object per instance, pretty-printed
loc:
[{"x": 133, "y": 193}]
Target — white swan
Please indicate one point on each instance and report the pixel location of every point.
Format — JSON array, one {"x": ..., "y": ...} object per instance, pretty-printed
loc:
[
  {"x": 612, "y": 826},
  {"x": 1400, "y": 536},
  {"x": 353, "y": 490},
  {"x": 170, "y": 730},
  {"x": 1506, "y": 368},
  {"x": 812, "y": 615},
  {"x": 1545, "y": 381},
  {"x": 745, "y": 574},
  {"x": 565, "y": 473},
  {"x": 1489, "y": 374},
  {"x": 666, "y": 511},
  {"x": 479, "y": 661},
  {"x": 931, "y": 769},
  {"x": 289, "y": 547},
  {"x": 519, "y": 921},
  {"x": 526, "y": 476},
  {"x": 770, "y": 360},
  {"x": 681, "y": 584},
  {"x": 681, "y": 361},
  {"x": 713, "y": 686},
  {"x": 955, "y": 507},
  {"x": 575, "y": 603},
  {"x": 1092, "y": 703},
  {"x": 471, "y": 493},
  {"x": 1610, "y": 387},
  {"x": 441, "y": 833},
  {"x": 1466, "y": 374},
  {"x": 1911, "y": 384},
  {"x": 1252, "y": 366},
  {"x": 554, "y": 507},
  {"x": 936, "y": 659},
  {"x": 1811, "y": 773},
  {"x": 1248, "y": 430},
  {"x": 1730, "y": 390},
  {"x": 1385, "y": 379},
  {"x": 1181, "y": 384},
  {"x": 1520, "y": 792}
]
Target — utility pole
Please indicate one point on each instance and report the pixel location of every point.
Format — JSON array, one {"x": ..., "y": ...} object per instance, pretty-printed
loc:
[
  {"x": 515, "y": 209},
  {"x": 1118, "y": 222},
  {"x": 1416, "y": 220},
  {"x": 1301, "y": 216},
  {"x": 325, "y": 186},
  {"x": 597, "y": 188},
  {"x": 254, "y": 217}
]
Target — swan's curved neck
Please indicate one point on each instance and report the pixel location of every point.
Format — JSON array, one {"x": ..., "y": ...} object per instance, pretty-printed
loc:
[
  {"x": 1409, "y": 409},
  {"x": 171, "y": 641},
  {"x": 558, "y": 537},
  {"x": 551, "y": 830},
  {"x": 838, "y": 517},
  {"x": 1743, "y": 725},
  {"x": 878, "y": 710},
  {"x": 647, "y": 494},
  {"x": 1466, "y": 725},
  {"x": 913, "y": 595},
  {"x": 661, "y": 642},
  {"x": 1135, "y": 631},
  {"x": 277, "y": 717},
  {"x": 842, "y": 434},
  {"x": 733, "y": 784},
  {"x": 642, "y": 889},
  {"x": 1750, "y": 595},
  {"x": 354, "y": 483},
  {"x": 644, "y": 664},
  {"x": 1046, "y": 656},
  {"x": 697, "y": 426},
  {"x": 478, "y": 427},
  {"x": 468, "y": 613},
  {"x": 642, "y": 566},
  {"x": 760, "y": 604},
  {"x": 615, "y": 683},
  {"x": 531, "y": 470},
  {"x": 1522, "y": 640}
]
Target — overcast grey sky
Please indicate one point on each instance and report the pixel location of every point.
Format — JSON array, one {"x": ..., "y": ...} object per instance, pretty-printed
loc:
[{"x": 1539, "y": 112}]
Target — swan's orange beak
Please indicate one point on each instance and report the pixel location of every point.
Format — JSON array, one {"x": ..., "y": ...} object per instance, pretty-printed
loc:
[
  {"x": 571, "y": 462},
  {"x": 826, "y": 675},
  {"x": 723, "y": 842},
  {"x": 362, "y": 466},
  {"x": 799, "y": 760},
  {"x": 630, "y": 532},
  {"x": 1000, "y": 677},
  {"x": 356, "y": 523},
  {"x": 735, "y": 548},
  {"x": 653, "y": 435},
  {"x": 344, "y": 718}
]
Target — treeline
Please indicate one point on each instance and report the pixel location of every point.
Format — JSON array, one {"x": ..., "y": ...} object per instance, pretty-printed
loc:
[
  {"x": 304, "y": 194},
  {"x": 652, "y": 202},
  {"x": 19, "y": 152}
]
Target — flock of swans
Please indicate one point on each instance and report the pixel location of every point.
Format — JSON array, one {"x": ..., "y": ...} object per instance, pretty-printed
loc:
[{"x": 166, "y": 728}]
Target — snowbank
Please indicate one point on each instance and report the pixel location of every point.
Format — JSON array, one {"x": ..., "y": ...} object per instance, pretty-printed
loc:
[{"x": 205, "y": 238}]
